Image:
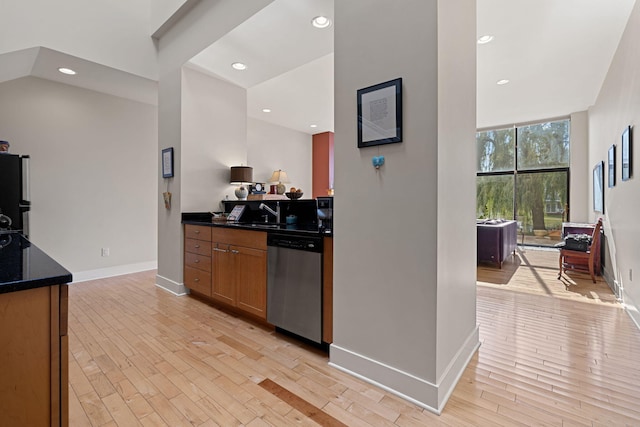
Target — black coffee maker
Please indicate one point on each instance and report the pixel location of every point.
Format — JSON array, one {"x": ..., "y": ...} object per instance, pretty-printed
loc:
[{"x": 325, "y": 213}]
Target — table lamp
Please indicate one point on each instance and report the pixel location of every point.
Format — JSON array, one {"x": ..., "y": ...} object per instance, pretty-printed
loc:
[
  {"x": 241, "y": 175},
  {"x": 280, "y": 177}
]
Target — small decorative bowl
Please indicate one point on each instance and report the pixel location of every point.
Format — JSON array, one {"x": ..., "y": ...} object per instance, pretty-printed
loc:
[{"x": 293, "y": 196}]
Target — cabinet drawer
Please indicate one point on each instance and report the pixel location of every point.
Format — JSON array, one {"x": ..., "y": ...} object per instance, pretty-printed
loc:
[
  {"x": 197, "y": 280},
  {"x": 201, "y": 262},
  {"x": 246, "y": 238},
  {"x": 197, "y": 247},
  {"x": 199, "y": 232}
]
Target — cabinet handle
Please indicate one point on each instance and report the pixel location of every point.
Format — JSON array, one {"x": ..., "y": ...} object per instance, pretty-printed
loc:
[
  {"x": 220, "y": 250},
  {"x": 196, "y": 280},
  {"x": 196, "y": 261},
  {"x": 197, "y": 231},
  {"x": 197, "y": 246},
  {"x": 233, "y": 251}
]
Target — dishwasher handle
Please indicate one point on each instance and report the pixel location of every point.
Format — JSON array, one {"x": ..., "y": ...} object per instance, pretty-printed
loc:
[{"x": 301, "y": 243}]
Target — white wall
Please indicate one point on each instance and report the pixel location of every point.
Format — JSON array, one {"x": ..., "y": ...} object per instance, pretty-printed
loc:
[
  {"x": 395, "y": 228},
  {"x": 271, "y": 147},
  {"x": 580, "y": 170},
  {"x": 115, "y": 33},
  {"x": 618, "y": 106},
  {"x": 214, "y": 138},
  {"x": 92, "y": 173},
  {"x": 194, "y": 31}
]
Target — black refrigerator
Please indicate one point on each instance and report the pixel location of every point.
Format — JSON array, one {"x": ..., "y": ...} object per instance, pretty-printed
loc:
[{"x": 14, "y": 193}]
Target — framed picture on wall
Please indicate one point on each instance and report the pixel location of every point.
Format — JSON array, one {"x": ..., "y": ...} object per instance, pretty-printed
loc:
[
  {"x": 611, "y": 160},
  {"x": 167, "y": 162},
  {"x": 598, "y": 187},
  {"x": 627, "y": 155},
  {"x": 380, "y": 114}
]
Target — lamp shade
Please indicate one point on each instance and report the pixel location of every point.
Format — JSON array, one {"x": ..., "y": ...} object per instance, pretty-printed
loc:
[
  {"x": 279, "y": 176},
  {"x": 241, "y": 174}
]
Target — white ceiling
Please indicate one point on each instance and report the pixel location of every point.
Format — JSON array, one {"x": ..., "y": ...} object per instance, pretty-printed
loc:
[
  {"x": 289, "y": 64},
  {"x": 555, "y": 53}
]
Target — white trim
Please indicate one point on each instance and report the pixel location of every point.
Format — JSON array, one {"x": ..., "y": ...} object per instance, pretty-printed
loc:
[
  {"x": 169, "y": 285},
  {"x": 632, "y": 309},
  {"x": 417, "y": 390},
  {"x": 117, "y": 270}
]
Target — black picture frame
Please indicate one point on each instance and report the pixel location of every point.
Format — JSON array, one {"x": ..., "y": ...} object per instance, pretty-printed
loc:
[
  {"x": 627, "y": 155},
  {"x": 380, "y": 114},
  {"x": 611, "y": 162},
  {"x": 598, "y": 187},
  {"x": 167, "y": 162}
]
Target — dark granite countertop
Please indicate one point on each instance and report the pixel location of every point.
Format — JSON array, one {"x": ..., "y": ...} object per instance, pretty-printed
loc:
[
  {"x": 24, "y": 266},
  {"x": 205, "y": 219}
]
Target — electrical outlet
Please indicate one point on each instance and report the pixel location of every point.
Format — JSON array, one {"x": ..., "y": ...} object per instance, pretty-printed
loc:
[{"x": 105, "y": 251}]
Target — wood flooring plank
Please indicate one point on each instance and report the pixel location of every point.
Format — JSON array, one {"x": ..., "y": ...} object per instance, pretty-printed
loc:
[{"x": 550, "y": 355}]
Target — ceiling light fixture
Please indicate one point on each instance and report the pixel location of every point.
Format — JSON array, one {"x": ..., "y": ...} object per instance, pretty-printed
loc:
[
  {"x": 239, "y": 66},
  {"x": 485, "y": 39},
  {"x": 266, "y": 110},
  {"x": 313, "y": 126},
  {"x": 321, "y": 22},
  {"x": 68, "y": 71},
  {"x": 502, "y": 82}
]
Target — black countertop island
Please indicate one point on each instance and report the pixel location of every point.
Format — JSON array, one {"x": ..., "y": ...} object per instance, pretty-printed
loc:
[{"x": 24, "y": 266}]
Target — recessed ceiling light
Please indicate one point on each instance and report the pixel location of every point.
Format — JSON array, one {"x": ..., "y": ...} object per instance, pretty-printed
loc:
[
  {"x": 321, "y": 22},
  {"x": 68, "y": 71},
  {"x": 313, "y": 126},
  {"x": 239, "y": 66},
  {"x": 485, "y": 39},
  {"x": 266, "y": 110},
  {"x": 502, "y": 82}
]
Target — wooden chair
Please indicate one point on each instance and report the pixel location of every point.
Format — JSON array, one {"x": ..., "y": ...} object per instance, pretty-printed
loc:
[{"x": 579, "y": 260}]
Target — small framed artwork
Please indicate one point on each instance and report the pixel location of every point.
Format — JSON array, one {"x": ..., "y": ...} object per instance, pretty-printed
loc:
[
  {"x": 167, "y": 162},
  {"x": 611, "y": 160},
  {"x": 380, "y": 114},
  {"x": 598, "y": 187},
  {"x": 626, "y": 154}
]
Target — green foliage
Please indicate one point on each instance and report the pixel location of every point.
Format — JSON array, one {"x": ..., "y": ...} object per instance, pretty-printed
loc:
[{"x": 539, "y": 146}]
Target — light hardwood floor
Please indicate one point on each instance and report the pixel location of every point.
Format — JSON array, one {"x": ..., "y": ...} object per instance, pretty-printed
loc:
[{"x": 550, "y": 355}]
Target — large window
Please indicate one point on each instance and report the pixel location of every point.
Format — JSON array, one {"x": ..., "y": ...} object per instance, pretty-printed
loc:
[{"x": 523, "y": 174}]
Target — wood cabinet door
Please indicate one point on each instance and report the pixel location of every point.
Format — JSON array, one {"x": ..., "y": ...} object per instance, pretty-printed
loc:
[
  {"x": 223, "y": 278},
  {"x": 251, "y": 276},
  {"x": 197, "y": 280}
]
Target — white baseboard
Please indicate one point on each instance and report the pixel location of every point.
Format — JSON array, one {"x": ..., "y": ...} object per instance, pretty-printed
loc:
[
  {"x": 169, "y": 285},
  {"x": 631, "y": 308},
  {"x": 419, "y": 391},
  {"x": 117, "y": 270}
]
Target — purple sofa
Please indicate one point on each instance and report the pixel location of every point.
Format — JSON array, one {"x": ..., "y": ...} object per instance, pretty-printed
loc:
[{"x": 497, "y": 239}]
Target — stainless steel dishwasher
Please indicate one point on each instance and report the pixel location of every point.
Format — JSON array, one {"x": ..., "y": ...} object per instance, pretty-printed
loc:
[{"x": 294, "y": 284}]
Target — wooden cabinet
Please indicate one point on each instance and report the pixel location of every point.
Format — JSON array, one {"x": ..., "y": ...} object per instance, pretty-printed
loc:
[
  {"x": 197, "y": 258},
  {"x": 251, "y": 280},
  {"x": 34, "y": 385},
  {"x": 228, "y": 265},
  {"x": 240, "y": 270}
]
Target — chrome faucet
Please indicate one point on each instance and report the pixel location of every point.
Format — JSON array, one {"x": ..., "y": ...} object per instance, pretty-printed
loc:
[{"x": 275, "y": 213}]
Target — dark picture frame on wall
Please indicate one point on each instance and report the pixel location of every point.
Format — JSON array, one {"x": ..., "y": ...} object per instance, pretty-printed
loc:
[
  {"x": 380, "y": 114},
  {"x": 167, "y": 162},
  {"x": 598, "y": 187},
  {"x": 627, "y": 155},
  {"x": 611, "y": 163}
]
